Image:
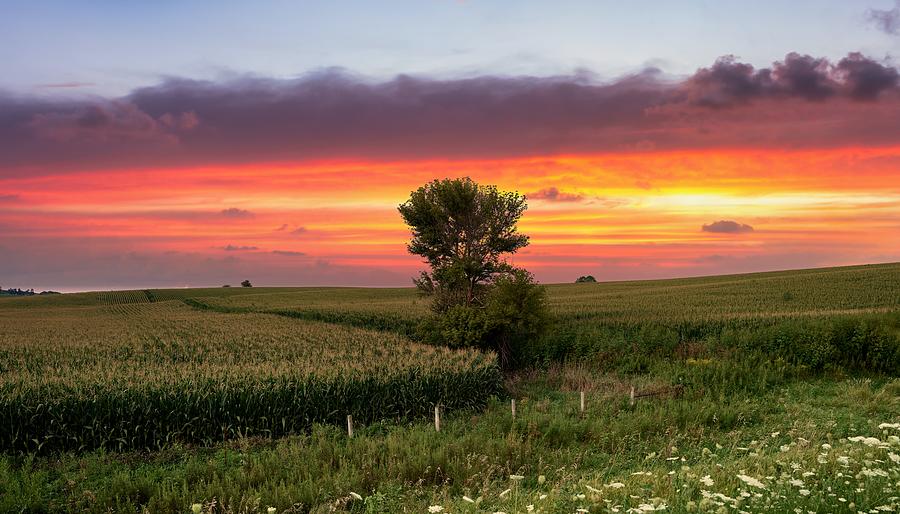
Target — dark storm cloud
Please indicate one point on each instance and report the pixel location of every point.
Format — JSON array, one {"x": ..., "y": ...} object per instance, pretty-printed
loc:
[
  {"x": 727, "y": 227},
  {"x": 333, "y": 114},
  {"x": 729, "y": 82}
]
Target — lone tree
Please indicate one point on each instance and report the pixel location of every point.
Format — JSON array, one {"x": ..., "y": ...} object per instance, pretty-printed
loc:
[
  {"x": 464, "y": 231},
  {"x": 585, "y": 279},
  {"x": 246, "y": 283}
]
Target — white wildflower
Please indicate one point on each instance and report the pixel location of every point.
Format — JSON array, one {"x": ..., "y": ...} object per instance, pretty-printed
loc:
[
  {"x": 751, "y": 481},
  {"x": 435, "y": 508},
  {"x": 591, "y": 489},
  {"x": 270, "y": 510},
  {"x": 470, "y": 500},
  {"x": 504, "y": 493},
  {"x": 516, "y": 477},
  {"x": 804, "y": 492},
  {"x": 196, "y": 508},
  {"x": 355, "y": 496},
  {"x": 889, "y": 425},
  {"x": 616, "y": 485},
  {"x": 707, "y": 481}
]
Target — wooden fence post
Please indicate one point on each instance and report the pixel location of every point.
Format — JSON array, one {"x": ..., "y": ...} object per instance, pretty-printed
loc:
[
  {"x": 349, "y": 425},
  {"x": 631, "y": 402},
  {"x": 582, "y": 403},
  {"x": 437, "y": 418},
  {"x": 512, "y": 407}
]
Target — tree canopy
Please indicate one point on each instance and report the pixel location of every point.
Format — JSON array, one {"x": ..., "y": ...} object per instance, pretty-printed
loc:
[{"x": 463, "y": 230}]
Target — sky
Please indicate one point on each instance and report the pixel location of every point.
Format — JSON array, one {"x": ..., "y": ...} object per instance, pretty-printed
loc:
[{"x": 172, "y": 144}]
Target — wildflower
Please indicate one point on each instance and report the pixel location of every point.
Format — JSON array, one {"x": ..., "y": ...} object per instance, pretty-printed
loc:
[
  {"x": 868, "y": 441},
  {"x": 894, "y": 458},
  {"x": 889, "y": 425},
  {"x": 529, "y": 507},
  {"x": 826, "y": 446},
  {"x": 542, "y": 497},
  {"x": 707, "y": 481},
  {"x": 470, "y": 500},
  {"x": 504, "y": 493},
  {"x": 270, "y": 510},
  {"x": 196, "y": 508},
  {"x": 616, "y": 485},
  {"x": 591, "y": 489},
  {"x": 796, "y": 482},
  {"x": 804, "y": 492},
  {"x": 541, "y": 479},
  {"x": 751, "y": 481},
  {"x": 435, "y": 508},
  {"x": 355, "y": 496},
  {"x": 516, "y": 477}
]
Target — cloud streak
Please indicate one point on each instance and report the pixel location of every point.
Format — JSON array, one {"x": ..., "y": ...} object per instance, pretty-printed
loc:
[
  {"x": 333, "y": 114},
  {"x": 727, "y": 227}
]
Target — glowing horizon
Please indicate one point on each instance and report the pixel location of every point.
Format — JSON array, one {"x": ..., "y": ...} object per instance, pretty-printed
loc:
[{"x": 601, "y": 214}]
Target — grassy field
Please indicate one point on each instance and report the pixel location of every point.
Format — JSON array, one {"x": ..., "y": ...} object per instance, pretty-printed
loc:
[{"x": 778, "y": 392}]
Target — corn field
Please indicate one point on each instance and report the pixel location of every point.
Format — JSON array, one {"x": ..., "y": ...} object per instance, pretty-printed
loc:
[{"x": 131, "y": 373}]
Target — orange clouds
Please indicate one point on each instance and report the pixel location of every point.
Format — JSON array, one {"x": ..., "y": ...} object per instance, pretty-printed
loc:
[{"x": 613, "y": 215}]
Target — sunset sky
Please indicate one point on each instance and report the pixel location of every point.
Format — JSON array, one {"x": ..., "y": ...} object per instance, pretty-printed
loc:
[{"x": 169, "y": 144}]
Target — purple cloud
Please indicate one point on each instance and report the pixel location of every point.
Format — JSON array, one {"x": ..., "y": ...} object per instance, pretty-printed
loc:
[
  {"x": 886, "y": 20},
  {"x": 333, "y": 114},
  {"x": 727, "y": 227},
  {"x": 552, "y": 194},
  {"x": 234, "y": 212}
]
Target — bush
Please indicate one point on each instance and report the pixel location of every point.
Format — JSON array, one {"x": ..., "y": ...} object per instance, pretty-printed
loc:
[{"x": 514, "y": 313}]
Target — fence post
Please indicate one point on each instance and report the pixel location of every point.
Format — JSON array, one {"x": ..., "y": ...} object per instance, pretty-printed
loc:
[
  {"x": 631, "y": 402},
  {"x": 582, "y": 403},
  {"x": 437, "y": 418},
  {"x": 349, "y": 425},
  {"x": 512, "y": 406}
]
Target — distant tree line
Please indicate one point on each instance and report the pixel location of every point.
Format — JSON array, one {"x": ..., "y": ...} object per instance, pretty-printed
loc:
[{"x": 15, "y": 291}]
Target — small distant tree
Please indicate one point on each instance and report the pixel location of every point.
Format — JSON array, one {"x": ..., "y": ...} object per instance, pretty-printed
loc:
[
  {"x": 246, "y": 283},
  {"x": 226, "y": 285},
  {"x": 464, "y": 231},
  {"x": 585, "y": 279}
]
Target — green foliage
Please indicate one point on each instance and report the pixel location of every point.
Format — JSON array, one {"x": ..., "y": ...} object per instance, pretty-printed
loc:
[
  {"x": 586, "y": 279},
  {"x": 462, "y": 230},
  {"x": 514, "y": 312}
]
